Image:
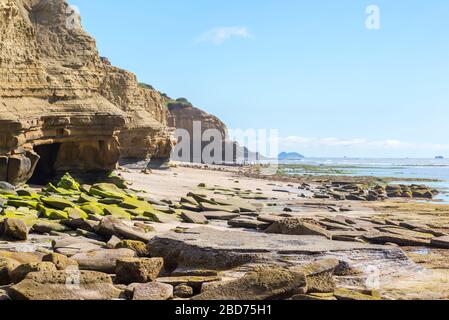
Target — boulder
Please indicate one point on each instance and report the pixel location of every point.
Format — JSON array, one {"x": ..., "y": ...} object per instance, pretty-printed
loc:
[
  {"x": 44, "y": 227},
  {"x": 183, "y": 291},
  {"x": 62, "y": 285},
  {"x": 193, "y": 217},
  {"x": 133, "y": 233},
  {"x": 138, "y": 270},
  {"x": 152, "y": 291},
  {"x": 319, "y": 275},
  {"x": 83, "y": 224},
  {"x": 57, "y": 202},
  {"x": 20, "y": 273},
  {"x": 138, "y": 246},
  {"x": 7, "y": 188},
  {"x": 107, "y": 225},
  {"x": 113, "y": 242},
  {"x": 60, "y": 261},
  {"x": 15, "y": 229},
  {"x": 298, "y": 226},
  {"x": 264, "y": 283},
  {"x": 76, "y": 213},
  {"x": 102, "y": 260},
  {"x": 423, "y": 193},
  {"x": 7, "y": 265}
]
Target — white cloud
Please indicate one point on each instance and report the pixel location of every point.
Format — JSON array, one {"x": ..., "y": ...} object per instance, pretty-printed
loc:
[{"x": 219, "y": 35}]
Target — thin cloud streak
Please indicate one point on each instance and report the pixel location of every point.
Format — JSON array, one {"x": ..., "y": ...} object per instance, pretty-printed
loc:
[{"x": 218, "y": 36}]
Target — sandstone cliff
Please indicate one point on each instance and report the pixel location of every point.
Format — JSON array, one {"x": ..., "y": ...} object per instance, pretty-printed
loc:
[
  {"x": 62, "y": 107},
  {"x": 183, "y": 115}
]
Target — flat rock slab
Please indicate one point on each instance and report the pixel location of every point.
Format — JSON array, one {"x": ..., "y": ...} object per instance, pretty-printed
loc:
[
  {"x": 194, "y": 217},
  {"x": 133, "y": 233},
  {"x": 263, "y": 284},
  {"x": 442, "y": 242},
  {"x": 60, "y": 285},
  {"x": 214, "y": 249},
  {"x": 103, "y": 260},
  {"x": 248, "y": 223},
  {"x": 76, "y": 248},
  {"x": 270, "y": 218},
  {"x": 243, "y": 205},
  {"x": 400, "y": 240},
  {"x": 220, "y": 215}
]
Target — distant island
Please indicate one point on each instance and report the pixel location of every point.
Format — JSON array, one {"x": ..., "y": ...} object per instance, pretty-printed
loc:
[
  {"x": 439, "y": 157},
  {"x": 290, "y": 156}
]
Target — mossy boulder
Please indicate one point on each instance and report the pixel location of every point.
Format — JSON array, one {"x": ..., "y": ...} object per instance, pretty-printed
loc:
[
  {"x": 116, "y": 180},
  {"x": 92, "y": 209},
  {"x": 138, "y": 246},
  {"x": 76, "y": 213},
  {"x": 22, "y": 203},
  {"x": 50, "y": 188},
  {"x": 52, "y": 214},
  {"x": 57, "y": 202},
  {"x": 116, "y": 212},
  {"x": 68, "y": 183},
  {"x": 43, "y": 227},
  {"x": 107, "y": 190},
  {"x": 29, "y": 217},
  {"x": 85, "y": 198},
  {"x": 110, "y": 201},
  {"x": 25, "y": 193}
]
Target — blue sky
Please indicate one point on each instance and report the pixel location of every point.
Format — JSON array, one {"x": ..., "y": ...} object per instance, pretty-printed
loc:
[{"x": 308, "y": 68}]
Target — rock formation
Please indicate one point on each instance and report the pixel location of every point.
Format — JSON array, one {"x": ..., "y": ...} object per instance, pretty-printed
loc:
[
  {"x": 183, "y": 115},
  {"x": 62, "y": 107}
]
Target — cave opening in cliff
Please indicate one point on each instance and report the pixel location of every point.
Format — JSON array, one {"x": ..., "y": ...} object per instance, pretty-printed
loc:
[{"x": 45, "y": 168}]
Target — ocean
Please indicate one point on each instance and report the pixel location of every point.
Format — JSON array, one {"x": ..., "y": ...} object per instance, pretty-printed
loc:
[{"x": 395, "y": 168}]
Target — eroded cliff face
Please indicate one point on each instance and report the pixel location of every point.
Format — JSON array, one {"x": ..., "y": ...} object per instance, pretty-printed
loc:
[
  {"x": 183, "y": 115},
  {"x": 62, "y": 104}
]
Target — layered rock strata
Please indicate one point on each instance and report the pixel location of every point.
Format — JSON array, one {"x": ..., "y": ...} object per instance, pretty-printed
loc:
[
  {"x": 197, "y": 123},
  {"x": 63, "y": 106}
]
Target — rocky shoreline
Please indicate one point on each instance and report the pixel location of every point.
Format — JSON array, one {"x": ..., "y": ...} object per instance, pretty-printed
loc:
[{"x": 231, "y": 240}]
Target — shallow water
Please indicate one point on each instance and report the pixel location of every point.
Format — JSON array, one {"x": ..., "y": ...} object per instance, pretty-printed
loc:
[{"x": 396, "y": 168}]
